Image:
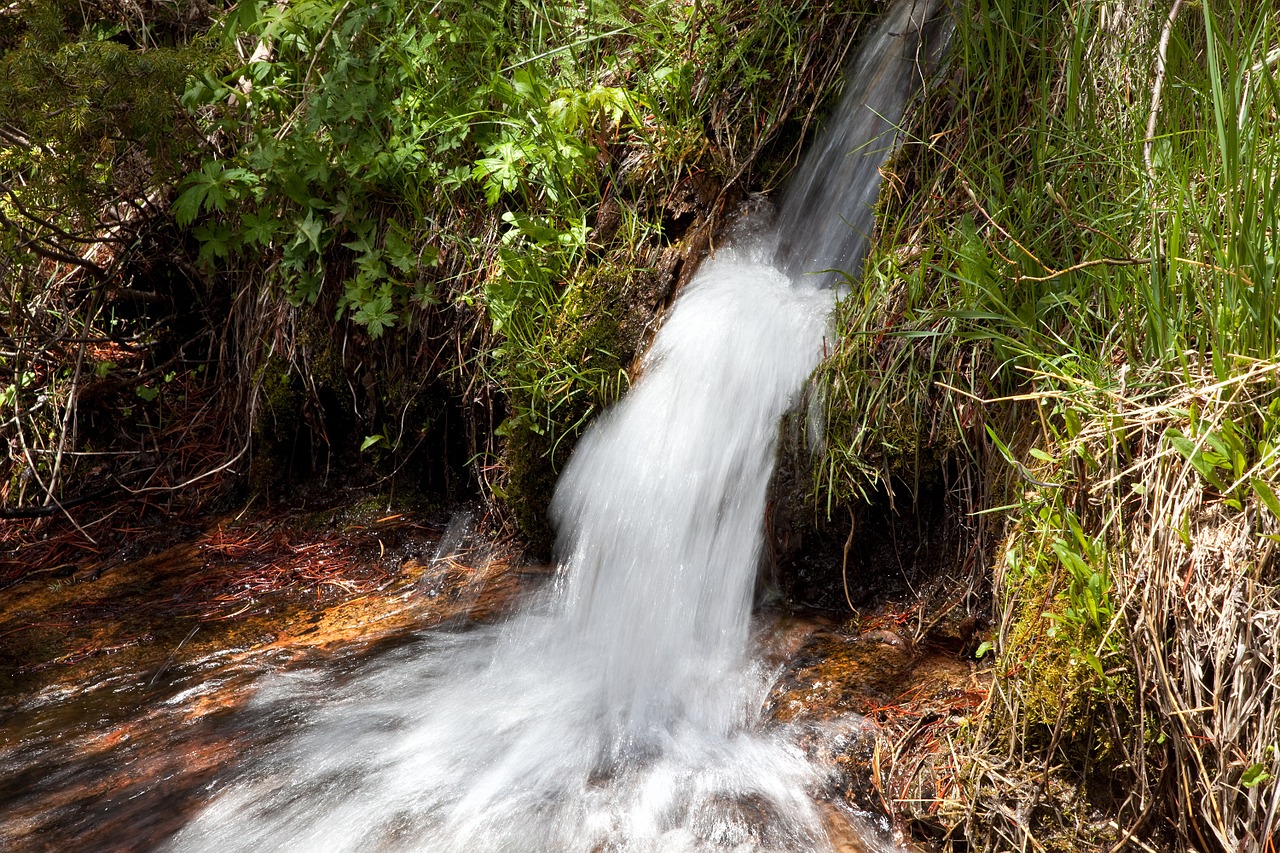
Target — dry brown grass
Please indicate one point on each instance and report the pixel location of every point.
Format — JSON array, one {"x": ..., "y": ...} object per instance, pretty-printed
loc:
[{"x": 1178, "y": 747}]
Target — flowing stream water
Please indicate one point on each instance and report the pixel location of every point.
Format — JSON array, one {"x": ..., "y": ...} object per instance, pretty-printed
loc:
[{"x": 621, "y": 709}]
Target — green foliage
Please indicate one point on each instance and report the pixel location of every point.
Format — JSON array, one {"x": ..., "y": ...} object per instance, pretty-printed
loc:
[
  {"x": 1037, "y": 241},
  {"x": 1236, "y": 453},
  {"x": 1107, "y": 296},
  {"x": 91, "y": 138},
  {"x": 417, "y": 172},
  {"x": 1063, "y": 649},
  {"x": 87, "y": 118},
  {"x": 1087, "y": 610},
  {"x": 379, "y": 160},
  {"x": 373, "y": 128},
  {"x": 879, "y": 396},
  {"x": 1093, "y": 251},
  {"x": 1257, "y": 774},
  {"x": 395, "y": 152},
  {"x": 1062, "y": 576}
]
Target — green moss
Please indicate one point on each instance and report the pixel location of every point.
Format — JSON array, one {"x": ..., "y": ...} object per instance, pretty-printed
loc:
[
  {"x": 1063, "y": 658},
  {"x": 323, "y": 354},
  {"x": 579, "y": 366},
  {"x": 1053, "y": 682},
  {"x": 276, "y": 424}
]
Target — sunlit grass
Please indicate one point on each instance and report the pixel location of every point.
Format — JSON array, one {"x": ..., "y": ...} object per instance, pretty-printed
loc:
[{"x": 1100, "y": 304}]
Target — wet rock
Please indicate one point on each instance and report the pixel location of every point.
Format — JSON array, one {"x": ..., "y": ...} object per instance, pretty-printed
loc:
[
  {"x": 875, "y": 708},
  {"x": 115, "y": 690}
]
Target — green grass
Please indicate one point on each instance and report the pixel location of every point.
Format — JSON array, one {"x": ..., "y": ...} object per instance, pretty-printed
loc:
[{"x": 1105, "y": 305}]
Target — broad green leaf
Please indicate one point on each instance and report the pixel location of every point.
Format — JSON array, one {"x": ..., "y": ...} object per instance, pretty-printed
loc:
[
  {"x": 376, "y": 316},
  {"x": 1196, "y": 457},
  {"x": 1267, "y": 495},
  {"x": 309, "y": 229},
  {"x": 1255, "y": 775}
]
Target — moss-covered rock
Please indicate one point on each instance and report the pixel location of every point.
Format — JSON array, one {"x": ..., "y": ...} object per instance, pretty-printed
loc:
[
  {"x": 276, "y": 424},
  {"x": 582, "y": 366}
]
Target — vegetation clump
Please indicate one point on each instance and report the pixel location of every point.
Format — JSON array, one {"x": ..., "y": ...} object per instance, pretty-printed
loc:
[
  {"x": 1073, "y": 298},
  {"x": 276, "y": 238},
  {"x": 351, "y": 234}
]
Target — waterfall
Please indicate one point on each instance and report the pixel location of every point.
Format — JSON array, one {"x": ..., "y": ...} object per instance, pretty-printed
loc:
[
  {"x": 825, "y": 221},
  {"x": 620, "y": 710}
]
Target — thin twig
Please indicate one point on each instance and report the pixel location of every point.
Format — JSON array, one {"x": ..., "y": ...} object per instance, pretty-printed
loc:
[
  {"x": 1158, "y": 87},
  {"x": 1111, "y": 262}
]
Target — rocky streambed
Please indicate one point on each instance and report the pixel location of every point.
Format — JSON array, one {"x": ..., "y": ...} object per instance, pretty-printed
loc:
[{"x": 129, "y": 686}]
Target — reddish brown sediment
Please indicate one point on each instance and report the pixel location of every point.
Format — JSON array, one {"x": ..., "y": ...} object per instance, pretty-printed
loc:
[{"x": 119, "y": 687}]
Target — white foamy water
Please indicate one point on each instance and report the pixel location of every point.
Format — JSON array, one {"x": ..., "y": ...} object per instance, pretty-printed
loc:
[{"x": 620, "y": 710}]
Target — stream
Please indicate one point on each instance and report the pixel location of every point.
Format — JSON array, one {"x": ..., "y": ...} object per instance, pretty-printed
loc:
[{"x": 626, "y": 699}]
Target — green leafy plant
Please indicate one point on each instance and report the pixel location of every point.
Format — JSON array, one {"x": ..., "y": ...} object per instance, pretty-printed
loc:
[{"x": 360, "y": 106}]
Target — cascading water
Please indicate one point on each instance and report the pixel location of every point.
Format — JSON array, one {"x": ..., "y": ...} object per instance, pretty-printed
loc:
[
  {"x": 825, "y": 221},
  {"x": 619, "y": 710}
]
